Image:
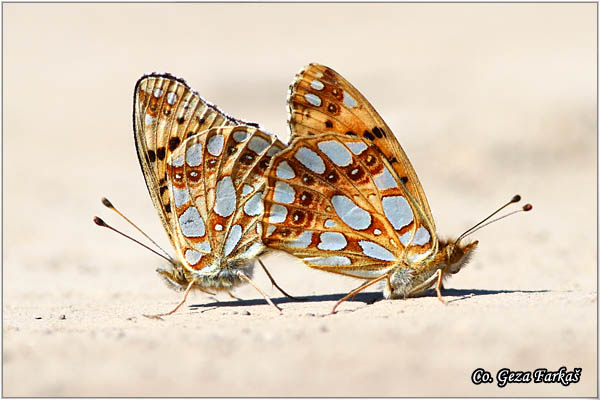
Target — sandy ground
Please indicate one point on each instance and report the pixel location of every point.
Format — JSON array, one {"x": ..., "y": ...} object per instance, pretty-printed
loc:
[{"x": 488, "y": 100}]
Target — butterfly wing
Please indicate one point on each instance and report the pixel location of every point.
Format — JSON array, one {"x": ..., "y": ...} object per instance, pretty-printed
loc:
[
  {"x": 216, "y": 181},
  {"x": 166, "y": 111},
  {"x": 335, "y": 201},
  {"x": 321, "y": 101}
]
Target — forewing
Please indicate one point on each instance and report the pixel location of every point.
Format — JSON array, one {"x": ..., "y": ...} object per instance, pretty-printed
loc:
[
  {"x": 321, "y": 101},
  {"x": 217, "y": 179},
  {"x": 334, "y": 201},
  {"x": 166, "y": 111}
]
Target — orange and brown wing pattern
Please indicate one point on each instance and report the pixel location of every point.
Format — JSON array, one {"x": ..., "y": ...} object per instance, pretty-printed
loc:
[
  {"x": 335, "y": 201},
  {"x": 215, "y": 182},
  {"x": 321, "y": 101},
  {"x": 166, "y": 112}
]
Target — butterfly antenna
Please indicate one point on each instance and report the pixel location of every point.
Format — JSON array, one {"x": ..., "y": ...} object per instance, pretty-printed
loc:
[
  {"x": 108, "y": 204},
  {"x": 100, "y": 222},
  {"x": 485, "y": 221}
]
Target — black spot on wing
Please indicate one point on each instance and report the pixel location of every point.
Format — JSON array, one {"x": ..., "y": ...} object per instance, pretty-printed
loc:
[
  {"x": 378, "y": 132},
  {"x": 173, "y": 143},
  {"x": 369, "y": 135},
  {"x": 161, "y": 153}
]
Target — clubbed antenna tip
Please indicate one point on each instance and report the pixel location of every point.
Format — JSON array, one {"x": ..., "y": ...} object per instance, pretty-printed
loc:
[
  {"x": 527, "y": 207},
  {"x": 516, "y": 198},
  {"x": 107, "y": 203},
  {"x": 100, "y": 222}
]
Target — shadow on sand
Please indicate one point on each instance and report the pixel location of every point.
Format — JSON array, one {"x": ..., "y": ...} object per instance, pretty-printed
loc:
[{"x": 364, "y": 297}]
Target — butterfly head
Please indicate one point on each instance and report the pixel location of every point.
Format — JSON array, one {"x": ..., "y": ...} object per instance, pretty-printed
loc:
[
  {"x": 174, "y": 275},
  {"x": 457, "y": 255}
]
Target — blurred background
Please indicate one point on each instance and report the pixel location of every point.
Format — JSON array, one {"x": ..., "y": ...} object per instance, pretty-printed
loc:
[{"x": 488, "y": 100}]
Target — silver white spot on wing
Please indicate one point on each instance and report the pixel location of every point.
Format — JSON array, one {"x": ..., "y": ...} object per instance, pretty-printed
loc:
[
  {"x": 317, "y": 85},
  {"x": 397, "y": 210},
  {"x": 149, "y": 120},
  {"x": 209, "y": 269},
  {"x": 258, "y": 144},
  {"x": 356, "y": 147},
  {"x": 191, "y": 222},
  {"x": 254, "y": 205},
  {"x": 374, "y": 250},
  {"x": 218, "y": 227},
  {"x": 376, "y": 232},
  {"x": 310, "y": 160},
  {"x": 302, "y": 241},
  {"x": 178, "y": 162},
  {"x": 240, "y": 136},
  {"x": 193, "y": 155},
  {"x": 332, "y": 241},
  {"x": 181, "y": 196},
  {"x": 336, "y": 152},
  {"x": 247, "y": 190},
  {"x": 354, "y": 216},
  {"x": 203, "y": 246},
  {"x": 329, "y": 223},
  {"x": 333, "y": 260},
  {"x": 283, "y": 193},
  {"x": 413, "y": 258},
  {"x": 313, "y": 99},
  {"x": 215, "y": 145},
  {"x": 235, "y": 234},
  {"x": 171, "y": 98},
  {"x": 225, "y": 201},
  {"x": 349, "y": 100},
  {"x": 252, "y": 251},
  {"x": 284, "y": 171},
  {"x": 278, "y": 213},
  {"x": 273, "y": 150},
  {"x": 158, "y": 93},
  {"x": 192, "y": 256},
  {"x": 370, "y": 273},
  {"x": 422, "y": 236},
  {"x": 270, "y": 230},
  {"x": 405, "y": 239},
  {"x": 385, "y": 180}
]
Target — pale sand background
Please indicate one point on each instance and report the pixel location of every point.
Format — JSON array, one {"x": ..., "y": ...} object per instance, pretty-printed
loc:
[{"x": 488, "y": 100}]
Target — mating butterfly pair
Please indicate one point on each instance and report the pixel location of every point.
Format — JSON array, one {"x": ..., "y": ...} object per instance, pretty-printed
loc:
[{"x": 342, "y": 195}]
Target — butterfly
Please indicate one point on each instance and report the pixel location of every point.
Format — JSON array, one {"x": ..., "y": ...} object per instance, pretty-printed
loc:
[
  {"x": 205, "y": 174},
  {"x": 344, "y": 197}
]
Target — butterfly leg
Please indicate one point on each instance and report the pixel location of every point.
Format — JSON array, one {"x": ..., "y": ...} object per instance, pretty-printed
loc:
[
  {"x": 275, "y": 283},
  {"x": 357, "y": 290},
  {"x": 438, "y": 287},
  {"x": 185, "y": 295},
  {"x": 206, "y": 291},
  {"x": 234, "y": 296},
  {"x": 244, "y": 277}
]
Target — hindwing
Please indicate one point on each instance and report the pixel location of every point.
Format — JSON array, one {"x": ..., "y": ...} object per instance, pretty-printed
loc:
[{"x": 336, "y": 202}]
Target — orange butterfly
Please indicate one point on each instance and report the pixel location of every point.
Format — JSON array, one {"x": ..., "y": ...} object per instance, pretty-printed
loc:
[
  {"x": 345, "y": 198},
  {"x": 205, "y": 174}
]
